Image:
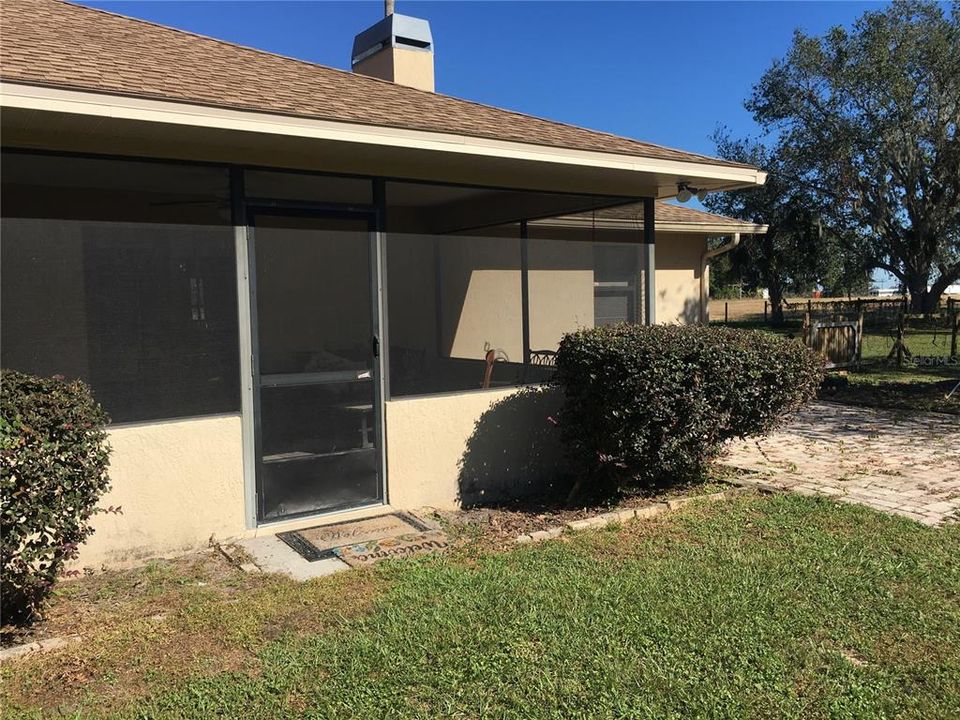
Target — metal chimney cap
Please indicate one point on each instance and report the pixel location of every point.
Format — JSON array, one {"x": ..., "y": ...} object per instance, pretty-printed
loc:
[{"x": 393, "y": 31}]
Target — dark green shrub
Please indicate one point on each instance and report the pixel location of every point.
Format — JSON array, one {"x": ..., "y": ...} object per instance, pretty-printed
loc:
[
  {"x": 648, "y": 404},
  {"x": 54, "y": 471}
]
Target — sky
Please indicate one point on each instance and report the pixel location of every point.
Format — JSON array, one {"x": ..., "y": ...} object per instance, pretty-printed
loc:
[{"x": 664, "y": 72}]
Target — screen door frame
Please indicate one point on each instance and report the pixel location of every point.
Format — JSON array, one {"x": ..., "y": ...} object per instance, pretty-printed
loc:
[{"x": 378, "y": 345}]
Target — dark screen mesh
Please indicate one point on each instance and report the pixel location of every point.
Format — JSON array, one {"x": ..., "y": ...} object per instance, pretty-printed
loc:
[
  {"x": 146, "y": 312},
  {"x": 456, "y": 269}
]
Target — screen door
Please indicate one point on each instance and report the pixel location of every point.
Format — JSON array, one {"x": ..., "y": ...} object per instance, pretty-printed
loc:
[{"x": 316, "y": 374}]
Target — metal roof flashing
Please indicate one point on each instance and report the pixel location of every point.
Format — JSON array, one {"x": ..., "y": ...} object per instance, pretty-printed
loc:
[{"x": 393, "y": 31}]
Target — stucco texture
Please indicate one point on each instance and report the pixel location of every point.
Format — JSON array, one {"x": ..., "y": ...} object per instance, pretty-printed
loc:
[
  {"x": 177, "y": 483},
  {"x": 467, "y": 448},
  {"x": 678, "y": 277}
]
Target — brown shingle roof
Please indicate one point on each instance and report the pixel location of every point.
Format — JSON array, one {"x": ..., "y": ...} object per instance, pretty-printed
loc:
[
  {"x": 56, "y": 44},
  {"x": 669, "y": 213},
  {"x": 631, "y": 216}
]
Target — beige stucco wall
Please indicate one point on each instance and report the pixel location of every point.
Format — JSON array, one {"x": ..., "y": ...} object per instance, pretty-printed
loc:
[
  {"x": 481, "y": 298},
  {"x": 678, "y": 277},
  {"x": 179, "y": 483},
  {"x": 445, "y": 449},
  {"x": 560, "y": 290}
]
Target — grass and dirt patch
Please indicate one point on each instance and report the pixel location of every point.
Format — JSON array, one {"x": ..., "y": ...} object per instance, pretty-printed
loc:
[
  {"x": 497, "y": 526},
  {"x": 769, "y": 606},
  {"x": 191, "y": 617},
  {"x": 908, "y": 389}
]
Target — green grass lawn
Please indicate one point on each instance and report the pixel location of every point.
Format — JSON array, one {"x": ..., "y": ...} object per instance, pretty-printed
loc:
[
  {"x": 764, "y": 606},
  {"x": 876, "y": 346}
]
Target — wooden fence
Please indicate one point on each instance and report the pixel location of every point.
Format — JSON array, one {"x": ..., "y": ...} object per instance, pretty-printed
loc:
[{"x": 837, "y": 339}]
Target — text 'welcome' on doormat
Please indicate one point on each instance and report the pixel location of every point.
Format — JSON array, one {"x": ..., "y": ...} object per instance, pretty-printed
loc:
[
  {"x": 374, "y": 551},
  {"x": 325, "y": 541}
]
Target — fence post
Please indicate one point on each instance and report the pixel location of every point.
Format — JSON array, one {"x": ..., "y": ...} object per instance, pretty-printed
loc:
[
  {"x": 859, "y": 333},
  {"x": 900, "y": 343},
  {"x": 726, "y": 312},
  {"x": 809, "y": 306},
  {"x": 807, "y": 339},
  {"x": 953, "y": 333},
  {"x": 764, "y": 312}
]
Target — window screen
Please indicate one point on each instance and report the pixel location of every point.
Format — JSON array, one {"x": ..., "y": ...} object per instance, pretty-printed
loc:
[
  {"x": 616, "y": 279},
  {"x": 455, "y": 276},
  {"x": 122, "y": 275},
  {"x": 454, "y": 307}
]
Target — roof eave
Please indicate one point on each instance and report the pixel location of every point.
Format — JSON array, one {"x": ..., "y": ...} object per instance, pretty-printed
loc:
[
  {"x": 570, "y": 221},
  {"x": 664, "y": 173}
]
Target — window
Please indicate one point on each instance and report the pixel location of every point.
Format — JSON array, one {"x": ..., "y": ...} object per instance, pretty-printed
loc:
[
  {"x": 616, "y": 277},
  {"x": 122, "y": 274}
]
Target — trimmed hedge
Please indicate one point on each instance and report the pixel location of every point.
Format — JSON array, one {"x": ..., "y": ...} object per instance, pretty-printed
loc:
[
  {"x": 53, "y": 458},
  {"x": 652, "y": 404}
]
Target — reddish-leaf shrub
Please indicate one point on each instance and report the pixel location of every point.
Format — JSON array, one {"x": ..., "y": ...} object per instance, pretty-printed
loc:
[
  {"x": 648, "y": 404},
  {"x": 53, "y": 458}
]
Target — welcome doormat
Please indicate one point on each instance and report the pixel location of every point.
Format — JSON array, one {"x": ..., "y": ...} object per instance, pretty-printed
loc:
[
  {"x": 318, "y": 543},
  {"x": 374, "y": 551}
]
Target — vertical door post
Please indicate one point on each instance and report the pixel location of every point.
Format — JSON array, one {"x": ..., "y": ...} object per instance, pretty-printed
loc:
[
  {"x": 525, "y": 292},
  {"x": 381, "y": 328},
  {"x": 649, "y": 238},
  {"x": 238, "y": 217}
]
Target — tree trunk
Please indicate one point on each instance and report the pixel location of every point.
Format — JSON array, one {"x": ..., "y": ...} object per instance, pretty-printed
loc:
[
  {"x": 948, "y": 276},
  {"x": 776, "y": 305},
  {"x": 922, "y": 300}
]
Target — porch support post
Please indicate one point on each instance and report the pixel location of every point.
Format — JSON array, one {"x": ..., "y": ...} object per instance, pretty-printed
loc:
[
  {"x": 525, "y": 291},
  {"x": 245, "y": 327},
  {"x": 382, "y": 390},
  {"x": 649, "y": 238},
  {"x": 380, "y": 246}
]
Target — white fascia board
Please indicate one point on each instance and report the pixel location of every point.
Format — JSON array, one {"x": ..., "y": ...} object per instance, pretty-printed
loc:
[
  {"x": 48, "y": 99},
  {"x": 625, "y": 224}
]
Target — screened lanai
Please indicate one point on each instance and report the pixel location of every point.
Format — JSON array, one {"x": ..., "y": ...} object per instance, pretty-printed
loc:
[{"x": 301, "y": 301}]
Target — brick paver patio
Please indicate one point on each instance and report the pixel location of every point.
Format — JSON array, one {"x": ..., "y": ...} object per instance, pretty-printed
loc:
[{"x": 903, "y": 464}]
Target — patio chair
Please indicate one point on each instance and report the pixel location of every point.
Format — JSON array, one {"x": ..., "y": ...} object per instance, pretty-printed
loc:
[{"x": 543, "y": 357}]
